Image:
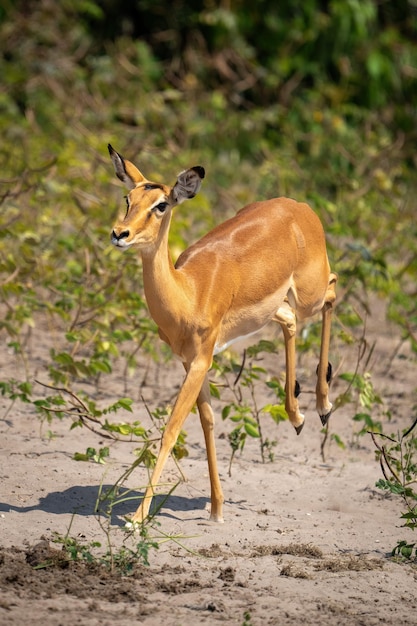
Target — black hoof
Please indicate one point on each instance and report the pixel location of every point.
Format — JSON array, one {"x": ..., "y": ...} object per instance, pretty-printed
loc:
[
  {"x": 299, "y": 428},
  {"x": 297, "y": 389},
  {"x": 325, "y": 418}
]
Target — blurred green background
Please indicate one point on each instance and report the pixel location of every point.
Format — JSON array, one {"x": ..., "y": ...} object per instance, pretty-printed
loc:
[{"x": 312, "y": 99}]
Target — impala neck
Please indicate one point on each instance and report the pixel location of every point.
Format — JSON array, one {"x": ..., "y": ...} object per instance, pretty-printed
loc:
[{"x": 160, "y": 280}]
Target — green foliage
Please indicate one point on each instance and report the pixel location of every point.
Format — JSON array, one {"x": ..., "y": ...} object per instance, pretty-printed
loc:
[
  {"x": 359, "y": 397},
  {"x": 314, "y": 136},
  {"x": 16, "y": 391},
  {"x": 91, "y": 454},
  {"x": 84, "y": 412},
  {"x": 361, "y": 387},
  {"x": 358, "y": 51},
  {"x": 397, "y": 456},
  {"x": 76, "y": 550},
  {"x": 247, "y": 619},
  {"x": 138, "y": 539},
  {"x": 245, "y": 382},
  {"x": 124, "y": 560},
  {"x": 405, "y": 550}
]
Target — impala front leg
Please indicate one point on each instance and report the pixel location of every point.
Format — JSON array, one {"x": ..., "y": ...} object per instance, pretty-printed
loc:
[
  {"x": 285, "y": 316},
  {"x": 183, "y": 406}
]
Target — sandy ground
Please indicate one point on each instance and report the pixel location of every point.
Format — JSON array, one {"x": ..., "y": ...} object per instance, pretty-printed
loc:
[{"x": 305, "y": 540}]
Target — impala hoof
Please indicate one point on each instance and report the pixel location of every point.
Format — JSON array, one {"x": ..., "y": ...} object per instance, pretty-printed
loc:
[
  {"x": 299, "y": 428},
  {"x": 325, "y": 418}
]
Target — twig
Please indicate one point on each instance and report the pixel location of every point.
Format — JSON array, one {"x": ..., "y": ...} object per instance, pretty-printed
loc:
[
  {"x": 64, "y": 390},
  {"x": 242, "y": 366},
  {"x": 407, "y": 432},
  {"x": 387, "y": 461}
]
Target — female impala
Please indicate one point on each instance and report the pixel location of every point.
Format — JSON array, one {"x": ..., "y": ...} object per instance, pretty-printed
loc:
[{"x": 268, "y": 262}]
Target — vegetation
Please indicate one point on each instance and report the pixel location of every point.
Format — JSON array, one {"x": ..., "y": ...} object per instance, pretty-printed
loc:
[
  {"x": 397, "y": 455},
  {"x": 312, "y": 99}
]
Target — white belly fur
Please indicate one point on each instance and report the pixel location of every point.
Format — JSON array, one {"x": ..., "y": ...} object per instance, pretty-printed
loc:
[
  {"x": 220, "y": 347},
  {"x": 248, "y": 321}
]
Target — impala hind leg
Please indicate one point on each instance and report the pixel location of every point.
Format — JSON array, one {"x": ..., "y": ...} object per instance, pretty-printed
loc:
[
  {"x": 207, "y": 422},
  {"x": 183, "y": 405},
  {"x": 285, "y": 316},
  {"x": 324, "y": 369}
]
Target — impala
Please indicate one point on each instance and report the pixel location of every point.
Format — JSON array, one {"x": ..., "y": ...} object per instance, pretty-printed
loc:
[{"x": 268, "y": 262}]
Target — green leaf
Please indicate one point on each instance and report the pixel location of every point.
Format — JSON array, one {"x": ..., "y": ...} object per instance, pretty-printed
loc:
[
  {"x": 226, "y": 411},
  {"x": 336, "y": 438},
  {"x": 125, "y": 403},
  {"x": 251, "y": 429},
  {"x": 79, "y": 456},
  {"x": 404, "y": 549},
  {"x": 214, "y": 391},
  {"x": 123, "y": 429},
  {"x": 277, "y": 412}
]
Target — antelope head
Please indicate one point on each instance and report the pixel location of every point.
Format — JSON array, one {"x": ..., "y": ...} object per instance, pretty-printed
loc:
[{"x": 149, "y": 204}]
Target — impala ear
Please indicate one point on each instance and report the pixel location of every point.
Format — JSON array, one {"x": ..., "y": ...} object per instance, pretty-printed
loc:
[
  {"x": 188, "y": 184},
  {"x": 125, "y": 170}
]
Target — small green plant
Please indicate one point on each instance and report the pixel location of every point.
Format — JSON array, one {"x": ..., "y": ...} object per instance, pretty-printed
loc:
[
  {"x": 405, "y": 550},
  {"x": 76, "y": 550},
  {"x": 247, "y": 619},
  {"x": 242, "y": 382},
  {"x": 397, "y": 456},
  {"x": 138, "y": 540},
  {"x": 150, "y": 535},
  {"x": 84, "y": 412},
  {"x": 359, "y": 393},
  {"x": 122, "y": 560},
  {"x": 91, "y": 454},
  {"x": 15, "y": 390},
  {"x": 126, "y": 558},
  {"x": 362, "y": 392},
  {"x": 398, "y": 461}
]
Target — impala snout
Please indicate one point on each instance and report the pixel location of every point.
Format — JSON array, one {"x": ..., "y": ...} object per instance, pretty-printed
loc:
[{"x": 119, "y": 239}]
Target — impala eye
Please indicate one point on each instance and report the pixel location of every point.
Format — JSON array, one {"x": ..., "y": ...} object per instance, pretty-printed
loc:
[{"x": 161, "y": 206}]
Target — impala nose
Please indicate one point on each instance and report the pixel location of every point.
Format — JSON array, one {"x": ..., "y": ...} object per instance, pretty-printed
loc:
[{"x": 117, "y": 237}]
